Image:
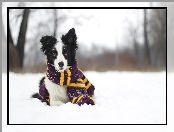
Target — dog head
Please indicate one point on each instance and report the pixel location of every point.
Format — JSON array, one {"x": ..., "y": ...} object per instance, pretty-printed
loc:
[{"x": 61, "y": 54}]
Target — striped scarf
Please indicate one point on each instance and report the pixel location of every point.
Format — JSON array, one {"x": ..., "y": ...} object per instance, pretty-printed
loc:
[
  {"x": 79, "y": 89},
  {"x": 71, "y": 77}
]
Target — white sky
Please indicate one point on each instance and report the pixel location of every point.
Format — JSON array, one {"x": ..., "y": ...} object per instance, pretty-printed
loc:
[{"x": 107, "y": 29}]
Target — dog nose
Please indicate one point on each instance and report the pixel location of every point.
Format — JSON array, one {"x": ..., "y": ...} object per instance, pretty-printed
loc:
[{"x": 61, "y": 64}]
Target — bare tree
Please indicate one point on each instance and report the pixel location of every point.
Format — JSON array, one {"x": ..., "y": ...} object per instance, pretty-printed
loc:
[
  {"x": 13, "y": 54},
  {"x": 55, "y": 28},
  {"x": 133, "y": 35},
  {"x": 16, "y": 53},
  {"x": 10, "y": 37},
  {"x": 146, "y": 43},
  {"x": 157, "y": 36},
  {"x": 21, "y": 38}
]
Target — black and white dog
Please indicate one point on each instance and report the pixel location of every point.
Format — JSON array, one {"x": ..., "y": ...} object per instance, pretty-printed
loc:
[{"x": 64, "y": 82}]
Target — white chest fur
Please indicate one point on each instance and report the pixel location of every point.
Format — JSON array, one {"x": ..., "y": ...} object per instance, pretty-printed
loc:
[{"x": 58, "y": 94}]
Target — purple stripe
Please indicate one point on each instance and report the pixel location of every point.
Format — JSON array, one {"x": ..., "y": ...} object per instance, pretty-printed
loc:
[{"x": 54, "y": 76}]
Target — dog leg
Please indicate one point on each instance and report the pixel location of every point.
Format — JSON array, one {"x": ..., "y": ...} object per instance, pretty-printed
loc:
[{"x": 56, "y": 103}]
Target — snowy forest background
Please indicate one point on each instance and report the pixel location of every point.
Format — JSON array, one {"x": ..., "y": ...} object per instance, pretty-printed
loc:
[{"x": 129, "y": 39}]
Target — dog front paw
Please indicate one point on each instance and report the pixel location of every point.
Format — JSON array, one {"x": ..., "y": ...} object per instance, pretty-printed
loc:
[{"x": 82, "y": 100}]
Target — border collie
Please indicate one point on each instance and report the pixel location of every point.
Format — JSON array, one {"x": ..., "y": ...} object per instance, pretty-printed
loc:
[{"x": 64, "y": 82}]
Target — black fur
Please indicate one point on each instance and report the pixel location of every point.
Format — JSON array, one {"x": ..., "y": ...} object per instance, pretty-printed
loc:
[
  {"x": 70, "y": 38},
  {"x": 48, "y": 43},
  {"x": 70, "y": 42},
  {"x": 69, "y": 50},
  {"x": 70, "y": 46},
  {"x": 36, "y": 95}
]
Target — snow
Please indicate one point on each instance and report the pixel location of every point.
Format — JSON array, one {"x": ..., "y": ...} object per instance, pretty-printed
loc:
[
  {"x": 121, "y": 98},
  {"x": 119, "y": 76}
]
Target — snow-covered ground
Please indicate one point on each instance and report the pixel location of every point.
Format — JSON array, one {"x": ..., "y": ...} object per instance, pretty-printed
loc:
[{"x": 121, "y": 98}]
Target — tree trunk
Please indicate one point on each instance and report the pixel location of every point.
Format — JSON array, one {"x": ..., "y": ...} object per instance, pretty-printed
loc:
[
  {"x": 10, "y": 37},
  {"x": 55, "y": 22},
  {"x": 146, "y": 44},
  {"x": 21, "y": 38},
  {"x": 13, "y": 53}
]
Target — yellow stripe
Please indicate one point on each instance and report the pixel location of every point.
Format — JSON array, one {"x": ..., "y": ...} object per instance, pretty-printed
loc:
[
  {"x": 69, "y": 76},
  {"x": 61, "y": 78},
  {"x": 89, "y": 84},
  {"x": 77, "y": 85},
  {"x": 79, "y": 98},
  {"x": 74, "y": 99},
  {"x": 85, "y": 80}
]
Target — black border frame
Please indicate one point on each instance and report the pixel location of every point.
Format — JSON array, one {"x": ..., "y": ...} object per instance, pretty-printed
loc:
[{"x": 76, "y": 8}]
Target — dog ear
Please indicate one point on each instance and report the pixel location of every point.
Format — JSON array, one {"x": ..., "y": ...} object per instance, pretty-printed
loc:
[
  {"x": 70, "y": 37},
  {"x": 47, "y": 42}
]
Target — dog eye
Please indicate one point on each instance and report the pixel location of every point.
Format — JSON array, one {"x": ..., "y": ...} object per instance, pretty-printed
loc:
[
  {"x": 54, "y": 53},
  {"x": 64, "y": 52}
]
